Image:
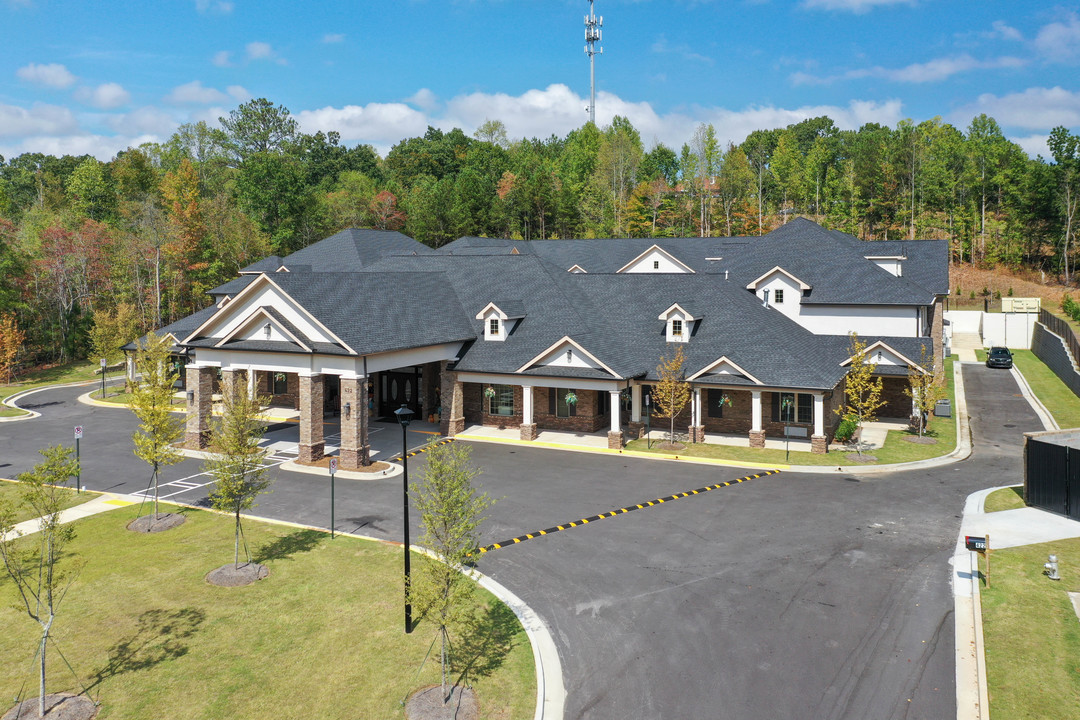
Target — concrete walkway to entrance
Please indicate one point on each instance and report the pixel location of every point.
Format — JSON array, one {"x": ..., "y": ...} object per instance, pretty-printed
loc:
[{"x": 96, "y": 505}]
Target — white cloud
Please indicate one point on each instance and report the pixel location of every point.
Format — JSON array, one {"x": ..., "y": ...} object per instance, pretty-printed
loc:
[
  {"x": 222, "y": 7},
  {"x": 18, "y": 121},
  {"x": 558, "y": 110},
  {"x": 103, "y": 147},
  {"x": 424, "y": 99},
  {"x": 855, "y": 6},
  {"x": 144, "y": 121},
  {"x": 221, "y": 58},
  {"x": 193, "y": 93},
  {"x": 934, "y": 70},
  {"x": 1006, "y": 32},
  {"x": 1034, "y": 145},
  {"x": 1036, "y": 108},
  {"x": 330, "y": 38},
  {"x": 263, "y": 51},
  {"x": 1060, "y": 41},
  {"x": 661, "y": 47},
  {"x": 106, "y": 96},
  {"x": 53, "y": 75}
]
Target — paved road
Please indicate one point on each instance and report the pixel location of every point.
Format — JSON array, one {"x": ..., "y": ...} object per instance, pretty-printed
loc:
[{"x": 795, "y": 595}]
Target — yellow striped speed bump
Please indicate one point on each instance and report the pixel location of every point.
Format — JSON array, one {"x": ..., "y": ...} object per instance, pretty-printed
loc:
[
  {"x": 414, "y": 453},
  {"x": 621, "y": 511}
]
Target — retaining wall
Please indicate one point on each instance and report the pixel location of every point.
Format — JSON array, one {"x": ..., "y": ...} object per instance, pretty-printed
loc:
[{"x": 1051, "y": 349}]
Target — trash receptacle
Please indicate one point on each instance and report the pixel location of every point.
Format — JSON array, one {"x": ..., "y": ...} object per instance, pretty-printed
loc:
[{"x": 943, "y": 408}]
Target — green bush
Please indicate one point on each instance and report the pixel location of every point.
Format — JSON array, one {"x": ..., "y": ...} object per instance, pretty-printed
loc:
[
  {"x": 972, "y": 294},
  {"x": 1010, "y": 293},
  {"x": 846, "y": 429}
]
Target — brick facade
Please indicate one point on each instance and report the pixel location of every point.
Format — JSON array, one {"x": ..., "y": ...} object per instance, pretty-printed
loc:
[
  {"x": 290, "y": 398},
  {"x": 897, "y": 404},
  {"x": 312, "y": 445},
  {"x": 355, "y": 451},
  {"x": 200, "y": 383}
]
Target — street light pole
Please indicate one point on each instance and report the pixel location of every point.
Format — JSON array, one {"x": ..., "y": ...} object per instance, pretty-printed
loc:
[{"x": 404, "y": 415}]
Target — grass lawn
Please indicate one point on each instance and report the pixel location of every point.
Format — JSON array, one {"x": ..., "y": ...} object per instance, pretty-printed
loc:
[
  {"x": 1062, "y": 403},
  {"x": 1031, "y": 633},
  {"x": 10, "y": 492},
  {"x": 321, "y": 637},
  {"x": 1009, "y": 498},
  {"x": 895, "y": 450},
  {"x": 81, "y": 370}
]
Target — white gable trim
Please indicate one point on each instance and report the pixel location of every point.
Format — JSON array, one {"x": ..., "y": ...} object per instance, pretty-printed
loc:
[
  {"x": 263, "y": 278},
  {"x": 667, "y": 313},
  {"x": 577, "y": 269},
  {"x": 262, "y": 317},
  {"x": 753, "y": 285},
  {"x": 559, "y": 344},
  {"x": 724, "y": 361},
  {"x": 882, "y": 345},
  {"x": 662, "y": 251},
  {"x": 492, "y": 307}
]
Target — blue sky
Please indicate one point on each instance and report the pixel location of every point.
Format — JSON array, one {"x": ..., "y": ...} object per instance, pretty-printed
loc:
[{"x": 97, "y": 77}]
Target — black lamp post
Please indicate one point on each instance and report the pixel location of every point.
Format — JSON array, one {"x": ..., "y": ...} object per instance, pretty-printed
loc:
[
  {"x": 648, "y": 422},
  {"x": 404, "y": 415}
]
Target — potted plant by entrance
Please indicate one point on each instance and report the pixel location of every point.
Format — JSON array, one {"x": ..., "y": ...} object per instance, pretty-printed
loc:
[
  {"x": 489, "y": 392},
  {"x": 570, "y": 398}
]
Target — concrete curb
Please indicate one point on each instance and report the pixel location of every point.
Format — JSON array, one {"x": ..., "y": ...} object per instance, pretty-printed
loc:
[
  {"x": 12, "y": 400},
  {"x": 1043, "y": 414}
]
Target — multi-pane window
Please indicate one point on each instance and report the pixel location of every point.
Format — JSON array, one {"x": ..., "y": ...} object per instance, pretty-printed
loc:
[
  {"x": 778, "y": 296},
  {"x": 676, "y": 328},
  {"x": 502, "y": 402},
  {"x": 793, "y": 408},
  {"x": 493, "y": 326},
  {"x": 557, "y": 404}
]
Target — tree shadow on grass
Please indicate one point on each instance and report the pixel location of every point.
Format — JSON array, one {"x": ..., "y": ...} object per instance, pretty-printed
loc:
[
  {"x": 485, "y": 639},
  {"x": 158, "y": 638},
  {"x": 281, "y": 548}
]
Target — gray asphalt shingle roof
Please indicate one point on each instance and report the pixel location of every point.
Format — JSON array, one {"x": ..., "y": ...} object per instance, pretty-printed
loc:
[{"x": 353, "y": 249}]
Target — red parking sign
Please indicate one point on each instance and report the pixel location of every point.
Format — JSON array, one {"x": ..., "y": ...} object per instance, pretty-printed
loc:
[
  {"x": 333, "y": 465},
  {"x": 78, "y": 432}
]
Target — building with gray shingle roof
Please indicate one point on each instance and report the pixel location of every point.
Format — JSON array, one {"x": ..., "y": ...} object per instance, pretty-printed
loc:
[{"x": 568, "y": 334}]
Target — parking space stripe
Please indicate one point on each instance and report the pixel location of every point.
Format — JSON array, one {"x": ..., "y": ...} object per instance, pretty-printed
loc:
[{"x": 620, "y": 511}]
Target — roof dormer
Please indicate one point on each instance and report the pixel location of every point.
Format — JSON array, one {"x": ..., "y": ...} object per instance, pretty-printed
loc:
[
  {"x": 892, "y": 264},
  {"x": 500, "y": 318},
  {"x": 655, "y": 260},
  {"x": 679, "y": 323}
]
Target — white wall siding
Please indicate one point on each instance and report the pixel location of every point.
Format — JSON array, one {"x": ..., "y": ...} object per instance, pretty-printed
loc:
[
  {"x": 877, "y": 320},
  {"x": 646, "y": 264},
  {"x": 792, "y": 294}
]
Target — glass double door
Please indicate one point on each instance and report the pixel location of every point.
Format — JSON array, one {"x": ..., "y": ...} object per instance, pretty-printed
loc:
[{"x": 397, "y": 388}]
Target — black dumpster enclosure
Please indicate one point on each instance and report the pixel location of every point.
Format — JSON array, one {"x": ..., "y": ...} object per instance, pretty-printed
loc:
[{"x": 1052, "y": 471}]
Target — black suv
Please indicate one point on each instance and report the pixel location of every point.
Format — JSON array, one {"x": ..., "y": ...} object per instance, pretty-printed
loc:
[{"x": 999, "y": 357}]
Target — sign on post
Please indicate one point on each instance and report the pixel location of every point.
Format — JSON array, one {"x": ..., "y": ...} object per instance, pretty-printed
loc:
[
  {"x": 78, "y": 432},
  {"x": 1020, "y": 305},
  {"x": 103, "y": 363},
  {"x": 333, "y": 465}
]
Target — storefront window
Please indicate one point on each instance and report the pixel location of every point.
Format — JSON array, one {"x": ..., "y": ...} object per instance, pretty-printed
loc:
[{"x": 502, "y": 402}]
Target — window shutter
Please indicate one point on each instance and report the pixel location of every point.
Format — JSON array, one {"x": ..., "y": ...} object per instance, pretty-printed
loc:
[
  {"x": 775, "y": 406},
  {"x": 551, "y": 401}
]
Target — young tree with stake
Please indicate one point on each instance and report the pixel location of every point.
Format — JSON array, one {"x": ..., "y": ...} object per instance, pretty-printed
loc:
[
  {"x": 923, "y": 388},
  {"x": 672, "y": 392},
  {"x": 237, "y": 460},
  {"x": 862, "y": 391},
  {"x": 451, "y": 511},
  {"x": 151, "y": 401},
  {"x": 33, "y": 564}
]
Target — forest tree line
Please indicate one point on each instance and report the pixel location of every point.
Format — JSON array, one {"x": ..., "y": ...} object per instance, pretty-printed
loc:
[{"x": 93, "y": 251}]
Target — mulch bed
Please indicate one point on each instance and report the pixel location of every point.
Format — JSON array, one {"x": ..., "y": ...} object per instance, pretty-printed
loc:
[
  {"x": 919, "y": 440},
  {"x": 377, "y": 466},
  {"x": 427, "y": 704},
  {"x": 671, "y": 446},
  {"x": 864, "y": 458},
  {"x": 237, "y": 575},
  {"x": 60, "y": 706},
  {"x": 156, "y": 523}
]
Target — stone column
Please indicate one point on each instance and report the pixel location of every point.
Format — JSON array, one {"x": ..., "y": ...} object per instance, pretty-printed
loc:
[
  {"x": 200, "y": 387},
  {"x": 453, "y": 399},
  {"x": 615, "y": 436},
  {"x": 937, "y": 330},
  {"x": 697, "y": 425},
  {"x": 528, "y": 426},
  {"x": 757, "y": 435},
  {"x": 818, "y": 442},
  {"x": 229, "y": 379},
  {"x": 355, "y": 451},
  {"x": 312, "y": 444}
]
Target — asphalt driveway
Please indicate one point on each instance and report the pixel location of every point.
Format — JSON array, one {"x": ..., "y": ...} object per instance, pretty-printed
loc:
[{"x": 789, "y": 596}]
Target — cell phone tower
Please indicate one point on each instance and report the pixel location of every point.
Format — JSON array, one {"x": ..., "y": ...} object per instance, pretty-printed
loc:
[{"x": 592, "y": 36}]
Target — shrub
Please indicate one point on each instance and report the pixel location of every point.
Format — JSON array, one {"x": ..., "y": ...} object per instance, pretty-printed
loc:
[
  {"x": 1010, "y": 293},
  {"x": 846, "y": 429},
  {"x": 972, "y": 294}
]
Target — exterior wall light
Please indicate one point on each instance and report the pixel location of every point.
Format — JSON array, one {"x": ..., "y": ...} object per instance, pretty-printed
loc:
[
  {"x": 266, "y": 330},
  {"x": 569, "y": 355},
  {"x": 348, "y": 410},
  {"x": 190, "y": 397}
]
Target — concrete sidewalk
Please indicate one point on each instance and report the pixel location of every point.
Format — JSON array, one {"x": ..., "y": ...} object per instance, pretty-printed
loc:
[{"x": 99, "y": 504}]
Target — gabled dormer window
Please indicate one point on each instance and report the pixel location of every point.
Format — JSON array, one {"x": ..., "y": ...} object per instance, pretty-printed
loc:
[
  {"x": 500, "y": 319},
  {"x": 494, "y": 326},
  {"x": 676, "y": 327},
  {"x": 778, "y": 296},
  {"x": 678, "y": 320}
]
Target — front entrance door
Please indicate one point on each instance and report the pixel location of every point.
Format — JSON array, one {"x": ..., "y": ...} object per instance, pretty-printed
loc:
[{"x": 399, "y": 387}]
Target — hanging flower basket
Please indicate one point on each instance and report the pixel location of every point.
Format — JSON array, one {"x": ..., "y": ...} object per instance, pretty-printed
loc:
[
  {"x": 570, "y": 398},
  {"x": 489, "y": 392},
  {"x": 725, "y": 400}
]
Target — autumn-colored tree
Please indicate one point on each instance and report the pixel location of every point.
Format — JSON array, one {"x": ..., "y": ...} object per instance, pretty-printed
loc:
[
  {"x": 923, "y": 388},
  {"x": 385, "y": 213},
  {"x": 11, "y": 340},
  {"x": 671, "y": 392},
  {"x": 112, "y": 330},
  {"x": 862, "y": 391},
  {"x": 186, "y": 231}
]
